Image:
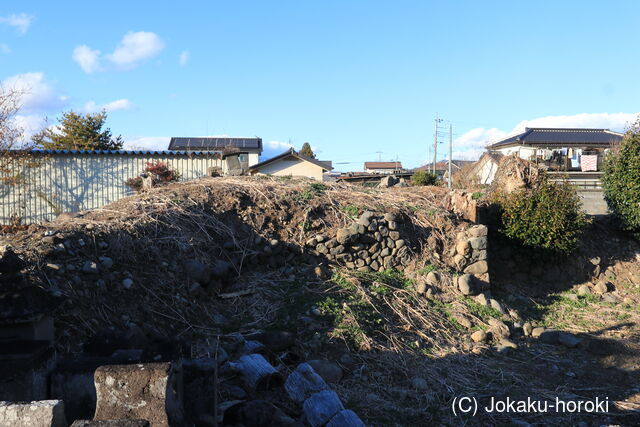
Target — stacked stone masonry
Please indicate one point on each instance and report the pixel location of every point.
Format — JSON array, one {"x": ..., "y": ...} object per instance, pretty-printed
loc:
[
  {"x": 469, "y": 254},
  {"x": 372, "y": 243}
]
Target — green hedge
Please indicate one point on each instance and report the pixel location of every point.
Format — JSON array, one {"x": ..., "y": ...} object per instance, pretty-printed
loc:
[
  {"x": 547, "y": 216},
  {"x": 424, "y": 178},
  {"x": 621, "y": 180}
]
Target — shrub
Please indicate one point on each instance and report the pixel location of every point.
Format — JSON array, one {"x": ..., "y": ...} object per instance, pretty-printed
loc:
[
  {"x": 424, "y": 178},
  {"x": 621, "y": 180},
  {"x": 546, "y": 216},
  {"x": 160, "y": 173}
]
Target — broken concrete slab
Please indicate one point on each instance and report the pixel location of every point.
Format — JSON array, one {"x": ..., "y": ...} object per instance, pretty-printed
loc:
[
  {"x": 321, "y": 407},
  {"x": 303, "y": 382},
  {"x": 111, "y": 423},
  {"x": 41, "y": 413},
  {"x": 150, "y": 392}
]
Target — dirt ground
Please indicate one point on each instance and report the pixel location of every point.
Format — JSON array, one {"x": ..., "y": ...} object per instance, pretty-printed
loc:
[{"x": 406, "y": 358}]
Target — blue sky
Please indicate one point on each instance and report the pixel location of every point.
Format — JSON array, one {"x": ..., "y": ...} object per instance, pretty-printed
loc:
[{"x": 353, "y": 78}]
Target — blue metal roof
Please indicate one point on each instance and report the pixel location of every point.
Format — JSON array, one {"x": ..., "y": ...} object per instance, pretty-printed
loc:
[{"x": 128, "y": 152}]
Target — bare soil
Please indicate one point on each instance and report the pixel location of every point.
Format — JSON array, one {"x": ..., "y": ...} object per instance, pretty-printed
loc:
[{"x": 382, "y": 333}]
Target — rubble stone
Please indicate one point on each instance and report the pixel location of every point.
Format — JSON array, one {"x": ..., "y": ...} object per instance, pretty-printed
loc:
[{"x": 43, "y": 413}]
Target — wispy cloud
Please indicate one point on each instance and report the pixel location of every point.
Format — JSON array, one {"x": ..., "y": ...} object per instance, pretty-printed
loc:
[
  {"x": 87, "y": 58},
  {"x": 134, "y": 49},
  {"x": 20, "y": 21},
  {"x": 119, "y": 104},
  {"x": 4, "y": 48},
  {"x": 184, "y": 57},
  {"x": 472, "y": 143},
  {"x": 37, "y": 95}
]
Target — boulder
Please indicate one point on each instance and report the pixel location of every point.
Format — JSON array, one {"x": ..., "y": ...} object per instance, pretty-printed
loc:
[
  {"x": 388, "y": 181},
  {"x": 536, "y": 332},
  {"x": 106, "y": 262},
  {"x": 601, "y": 288},
  {"x": 478, "y": 231},
  {"x": 43, "y": 413},
  {"x": 467, "y": 284},
  {"x": 463, "y": 247},
  {"x": 90, "y": 267},
  {"x": 498, "y": 329},
  {"x": 329, "y": 371},
  {"x": 584, "y": 290},
  {"x": 346, "y": 236},
  {"x": 568, "y": 340},
  {"x": 478, "y": 243},
  {"x": 508, "y": 343},
  {"x": 480, "y": 267},
  {"x": 434, "y": 278},
  {"x": 479, "y": 336},
  {"x": 496, "y": 305},
  {"x": 482, "y": 299}
]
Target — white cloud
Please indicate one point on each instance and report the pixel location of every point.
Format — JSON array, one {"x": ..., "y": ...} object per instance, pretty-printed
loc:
[
  {"x": 184, "y": 57},
  {"x": 147, "y": 143},
  {"x": 36, "y": 93},
  {"x": 4, "y": 48},
  {"x": 119, "y": 104},
  {"x": 134, "y": 48},
  {"x": 273, "y": 148},
  {"x": 30, "y": 124},
  {"x": 614, "y": 121},
  {"x": 471, "y": 144},
  {"x": 20, "y": 21},
  {"x": 87, "y": 58}
]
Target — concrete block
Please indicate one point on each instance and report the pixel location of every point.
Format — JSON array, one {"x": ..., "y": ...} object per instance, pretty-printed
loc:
[
  {"x": 42, "y": 413},
  {"x": 111, "y": 423},
  {"x": 151, "y": 392}
]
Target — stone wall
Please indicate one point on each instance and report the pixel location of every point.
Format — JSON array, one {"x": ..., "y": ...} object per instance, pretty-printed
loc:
[
  {"x": 373, "y": 243},
  {"x": 469, "y": 254}
]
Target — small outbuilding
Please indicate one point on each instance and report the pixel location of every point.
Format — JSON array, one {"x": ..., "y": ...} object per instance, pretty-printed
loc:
[
  {"x": 291, "y": 163},
  {"x": 383, "y": 167}
]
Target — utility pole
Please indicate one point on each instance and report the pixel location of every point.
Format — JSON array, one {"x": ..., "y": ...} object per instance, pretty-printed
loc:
[
  {"x": 435, "y": 143},
  {"x": 450, "y": 153}
]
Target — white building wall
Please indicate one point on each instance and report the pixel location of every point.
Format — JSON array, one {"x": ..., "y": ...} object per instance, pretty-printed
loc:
[
  {"x": 54, "y": 183},
  {"x": 293, "y": 167},
  {"x": 523, "y": 152}
]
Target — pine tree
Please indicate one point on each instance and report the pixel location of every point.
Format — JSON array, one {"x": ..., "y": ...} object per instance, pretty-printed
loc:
[
  {"x": 79, "y": 132},
  {"x": 307, "y": 151}
]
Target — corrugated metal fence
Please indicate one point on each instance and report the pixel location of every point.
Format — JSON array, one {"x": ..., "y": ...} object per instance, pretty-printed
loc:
[{"x": 38, "y": 186}]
